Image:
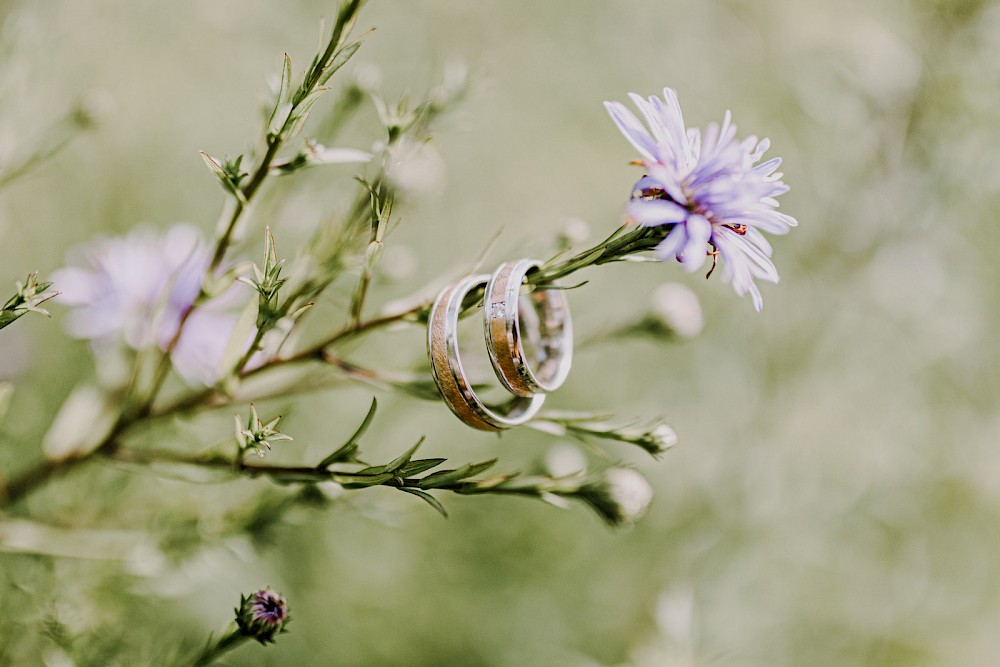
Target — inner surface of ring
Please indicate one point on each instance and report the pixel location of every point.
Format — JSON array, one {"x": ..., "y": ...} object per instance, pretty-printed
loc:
[
  {"x": 449, "y": 373},
  {"x": 548, "y": 310},
  {"x": 530, "y": 342}
]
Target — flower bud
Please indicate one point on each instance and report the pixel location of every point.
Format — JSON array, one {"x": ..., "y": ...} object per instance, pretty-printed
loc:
[
  {"x": 262, "y": 615},
  {"x": 576, "y": 230},
  {"x": 621, "y": 496},
  {"x": 257, "y": 435},
  {"x": 655, "y": 437},
  {"x": 630, "y": 491},
  {"x": 677, "y": 308}
]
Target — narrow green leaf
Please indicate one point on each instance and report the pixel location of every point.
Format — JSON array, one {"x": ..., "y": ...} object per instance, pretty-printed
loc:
[
  {"x": 214, "y": 166},
  {"x": 307, "y": 80},
  {"x": 346, "y": 18},
  {"x": 282, "y": 105},
  {"x": 270, "y": 254},
  {"x": 478, "y": 468},
  {"x": 445, "y": 477},
  {"x": 419, "y": 466},
  {"x": 290, "y": 477},
  {"x": 493, "y": 482},
  {"x": 349, "y": 448},
  {"x": 339, "y": 60},
  {"x": 285, "y": 91},
  {"x": 9, "y": 316},
  {"x": 6, "y": 392},
  {"x": 405, "y": 457},
  {"x": 428, "y": 498},
  {"x": 373, "y": 254},
  {"x": 343, "y": 455},
  {"x": 220, "y": 173},
  {"x": 533, "y": 483},
  {"x": 357, "y": 481},
  {"x": 300, "y": 114}
]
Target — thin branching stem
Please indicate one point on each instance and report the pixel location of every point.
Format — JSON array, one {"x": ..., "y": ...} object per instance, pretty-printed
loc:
[
  {"x": 317, "y": 351},
  {"x": 311, "y": 474},
  {"x": 137, "y": 408},
  {"x": 625, "y": 241},
  {"x": 274, "y": 141},
  {"x": 216, "y": 650}
]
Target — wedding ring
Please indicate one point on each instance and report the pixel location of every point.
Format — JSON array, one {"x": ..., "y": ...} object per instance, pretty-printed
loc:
[
  {"x": 446, "y": 366},
  {"x": 541, "y": 317}
]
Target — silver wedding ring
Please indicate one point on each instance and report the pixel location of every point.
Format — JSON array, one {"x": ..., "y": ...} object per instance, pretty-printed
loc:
[
  {"x": 446, "y": 366},
  {"x": 510, "y": 319},
  {"x": 550, "y": 330}
]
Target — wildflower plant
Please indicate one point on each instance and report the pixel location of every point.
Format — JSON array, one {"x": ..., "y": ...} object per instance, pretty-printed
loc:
[
  {"x": 203, "y": 329},
  {"x": 261, "y": 616}
]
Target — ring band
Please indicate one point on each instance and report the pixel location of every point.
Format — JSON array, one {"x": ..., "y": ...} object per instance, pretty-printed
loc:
[
  {"x": 504, "y": 310},
  {"x": 446, "y": 366}
]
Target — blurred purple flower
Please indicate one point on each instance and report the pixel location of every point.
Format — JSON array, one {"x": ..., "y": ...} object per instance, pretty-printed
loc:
[
  {"x": 135, "y": 289},
  {"x": 709, "y": 187}
]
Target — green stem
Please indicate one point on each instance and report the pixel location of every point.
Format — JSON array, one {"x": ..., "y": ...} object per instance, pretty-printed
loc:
[
  {"x": 316, "y": 352},
  {"x": 11, "y": 492},
  {"x": 254, "y": 346},
  {"x": 221, "y": 246},
  {"x": 224, "y": 645},
  {"x": 67, "y": 128},
  {"x": 19, "y": 487},
  {"x": 137, "y": 409},
  {"x": 249, "y": 190},
  {"x": 274, "y": 143},
  {"x": 624, "y": 241},
  {"x": 310, "y": 474}
]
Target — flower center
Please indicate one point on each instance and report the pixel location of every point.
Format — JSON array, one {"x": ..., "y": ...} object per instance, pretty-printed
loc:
[
  {"x": 270, "y": 609},
  {"x": 693, "y": 206}
]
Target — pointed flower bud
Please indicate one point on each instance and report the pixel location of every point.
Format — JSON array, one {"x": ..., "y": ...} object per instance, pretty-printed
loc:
[
  {"x": 676, "y": 308},
  {"x": 257, "y": 435},
  {"x": 621, "y": 496},
  {"x": 267, "y": 281},
  {"x": 29, "y": 297},
  {"x": 262, "y": 615}
]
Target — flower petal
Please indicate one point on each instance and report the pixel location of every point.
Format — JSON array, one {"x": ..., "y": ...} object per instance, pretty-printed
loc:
[
  {"x": 699, "y": 230},
  {"x": 632, "y": 129},
  {"x": 669, "y": 247},
  {"x": 653, "y": 212}
]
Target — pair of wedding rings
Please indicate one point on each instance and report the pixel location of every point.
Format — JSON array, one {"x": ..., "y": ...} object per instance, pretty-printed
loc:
[{"x": 510, "y": 319}]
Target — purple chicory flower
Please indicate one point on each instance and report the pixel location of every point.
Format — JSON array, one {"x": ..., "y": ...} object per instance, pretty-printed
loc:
[
  {"x": 262, "y": 615},
  {"x": 268, "y": 608},
  {"x": 134, "y": 289},
  {"x": 709, "y": 187}
]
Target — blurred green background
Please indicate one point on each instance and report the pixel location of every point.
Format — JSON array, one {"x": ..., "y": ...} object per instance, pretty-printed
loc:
[{"x": 834, "y": 498}]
